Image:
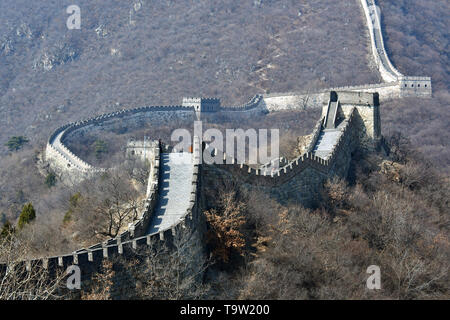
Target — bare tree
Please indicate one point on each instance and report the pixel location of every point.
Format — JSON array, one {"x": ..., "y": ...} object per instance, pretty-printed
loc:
[
  {"x": 175, "y": 273},
  {"x": 18, "y": 283},
  {"x": 137, "y": 170}
]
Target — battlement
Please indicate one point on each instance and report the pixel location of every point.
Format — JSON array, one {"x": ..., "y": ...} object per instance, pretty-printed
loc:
[
  {"x": 354, "y": 118},
  {"x": 354, "y": 98},
  {"x": 298, "y": 180},
  {"x": 415, "y": 86},
  {"x": 136, "y": 236},
  {"x": 202, "y": 104}
]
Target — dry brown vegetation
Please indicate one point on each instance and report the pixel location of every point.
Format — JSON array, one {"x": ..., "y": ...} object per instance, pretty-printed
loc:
[
  {"x": 156, "y": 273},
  {"x": 225, "y": 223},
  {"x": 425, "y": 123},
  {"x": 315, "y": 49},
  {"x": 417, "y": 39},
  {"x": 394, "y": 214}
]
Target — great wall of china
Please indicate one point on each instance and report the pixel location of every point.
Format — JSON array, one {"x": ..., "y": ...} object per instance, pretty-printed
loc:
[{"x": 350, "y": 120}]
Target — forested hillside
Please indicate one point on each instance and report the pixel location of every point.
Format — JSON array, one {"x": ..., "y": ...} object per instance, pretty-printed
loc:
[
  {"x": 393, "y": 209},
  {"x": 133, "y": 53},
  {"x": 417, "y": 36}
]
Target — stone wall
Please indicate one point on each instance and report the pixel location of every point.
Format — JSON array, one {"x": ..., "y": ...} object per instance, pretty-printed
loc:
[
  {"x": 299, "y": 180},
  {"x": 367, "y": 107},
  {"x": 142, "y": 150},
  {"x": 388, "y": 72},
  {"x": 302, "y": 179},
  {"x": 396, "y": 85},
  {"x": 90, "y": 259},
  {"x": 202, "y": 104},
  {"x": 72, "y": 169},
  {"x": 415, "y": 86},
  {"x": 69, "y": 165}
]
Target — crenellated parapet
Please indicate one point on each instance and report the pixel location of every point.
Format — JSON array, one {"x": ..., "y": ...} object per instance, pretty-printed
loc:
[
  {"x": 352, "y": 120},
  {"x": 135, "y": 237},
  {"x": 298, "y": 180},
  {"x": 356, "y": 125},
  {"x": 72, "y": 168},
  {"x": 415, "y": 86},
  {"x": 202, "y": 104},
  {"x": 254, "y": 104}
]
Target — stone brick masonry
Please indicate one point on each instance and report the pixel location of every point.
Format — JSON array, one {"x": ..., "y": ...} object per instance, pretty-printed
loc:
[{"x": 299, "y": 180}]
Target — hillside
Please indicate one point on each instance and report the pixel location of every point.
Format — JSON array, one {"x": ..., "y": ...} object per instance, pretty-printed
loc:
[
  {"x": 51, "y": 75},
  {"x": 362, "y": 194},
  {"x": 135, "y": 53}
]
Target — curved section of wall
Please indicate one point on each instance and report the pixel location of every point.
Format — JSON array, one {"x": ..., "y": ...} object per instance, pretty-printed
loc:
[
  {"x": 396, "y": 85},
  {"x": 72, "y": 168},
  {"x": 388, "y": 72},
  {"x": 134, "y": 237},
  {"x": 313, "y": 170},
  {"x": 299, "y": 179},
  {"x": 253, "y": 104}
]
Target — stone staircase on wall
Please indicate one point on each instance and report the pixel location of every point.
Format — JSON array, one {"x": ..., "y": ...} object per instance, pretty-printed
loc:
[
  {"x": 172, "y": 200},
  {"x": 174, "y": 191},
  {"x": 326, "y": 142},
  {"x": 330, "y": 119}
]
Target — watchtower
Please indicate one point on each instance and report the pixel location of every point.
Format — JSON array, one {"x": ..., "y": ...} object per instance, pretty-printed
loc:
[
  {"x": 202, "y": 105},
  {"x": 339, "y": 105}
]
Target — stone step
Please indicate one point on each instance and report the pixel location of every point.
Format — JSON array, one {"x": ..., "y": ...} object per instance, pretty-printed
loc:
[
  {"x": 174, "y": 190},
  {"x": 326, "y": 142}
]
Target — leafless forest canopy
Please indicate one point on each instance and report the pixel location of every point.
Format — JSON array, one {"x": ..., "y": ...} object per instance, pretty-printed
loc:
[
  {"x": 51, "y": 75},
  {"x": 124, "y": 58}
]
